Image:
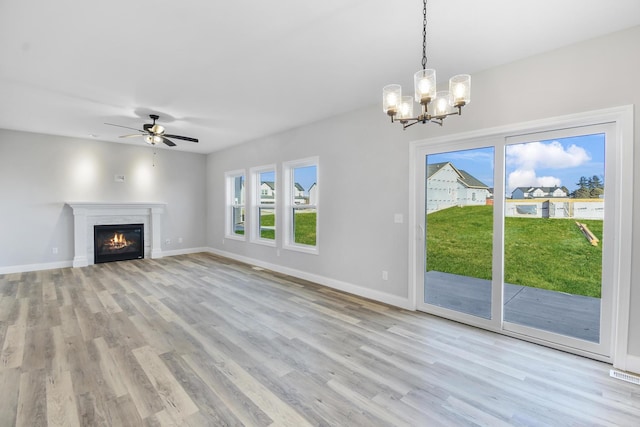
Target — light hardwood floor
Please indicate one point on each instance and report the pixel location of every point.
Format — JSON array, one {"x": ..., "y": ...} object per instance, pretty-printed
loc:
[{"x": 200, "y": 340}]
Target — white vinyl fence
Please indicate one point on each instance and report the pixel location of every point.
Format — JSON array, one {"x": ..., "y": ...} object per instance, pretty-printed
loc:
[{"x": 555, "y": 208}]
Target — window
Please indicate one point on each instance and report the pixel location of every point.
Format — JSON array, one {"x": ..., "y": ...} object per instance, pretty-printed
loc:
[
  {"x": 235, "y": 211},
  {"x": 301, "y": 205},
  {"x": 264, "y": 205}
]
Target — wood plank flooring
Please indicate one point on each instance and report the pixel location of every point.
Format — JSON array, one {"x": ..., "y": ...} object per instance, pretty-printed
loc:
[{"x": 199, "y": 340}]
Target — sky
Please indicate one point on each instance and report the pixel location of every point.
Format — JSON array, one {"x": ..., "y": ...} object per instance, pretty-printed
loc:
[
  {"x": 546, "y": 163},
  {"x": 306, "y": 177}
]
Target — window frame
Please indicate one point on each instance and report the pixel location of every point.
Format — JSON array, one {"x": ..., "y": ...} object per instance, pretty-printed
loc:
[
  {"x": 231, "y": 204},
  {"x": 290, "y": 206},
  {"x": 256, "y": 205}
]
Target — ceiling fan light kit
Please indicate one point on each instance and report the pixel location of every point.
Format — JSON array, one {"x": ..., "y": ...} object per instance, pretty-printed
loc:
[
  {"x": 444, "y": 103},
  {"x": 154, "y": 134},
  {"x": 152, "y": 139}
]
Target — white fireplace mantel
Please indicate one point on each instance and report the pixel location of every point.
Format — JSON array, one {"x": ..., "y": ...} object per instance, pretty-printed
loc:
[{"x": 88, "y": 214}]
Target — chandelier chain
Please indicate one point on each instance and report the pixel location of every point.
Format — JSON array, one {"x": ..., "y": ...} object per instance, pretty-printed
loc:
[{"x": 424, "y": 34}]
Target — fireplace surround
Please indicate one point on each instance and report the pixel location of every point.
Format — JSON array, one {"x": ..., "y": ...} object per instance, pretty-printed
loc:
[{"x": 88, "y": 214}]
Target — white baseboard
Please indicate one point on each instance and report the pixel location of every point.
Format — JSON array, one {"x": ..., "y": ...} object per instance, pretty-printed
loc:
[
  {"x": 185, "y": 251},
  {"x": 63, "y": 264},
  {"x": 34, "y": 267},
  {"x": 382, "y": 297}
]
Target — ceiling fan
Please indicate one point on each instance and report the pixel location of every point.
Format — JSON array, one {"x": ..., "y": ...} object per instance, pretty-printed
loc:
[{"x": 154, "y": 133}]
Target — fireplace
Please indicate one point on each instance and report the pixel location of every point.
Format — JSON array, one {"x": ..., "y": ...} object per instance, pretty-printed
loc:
[
  {"x": 118, "y": 242},
  {"x": 86, "y": 215}
]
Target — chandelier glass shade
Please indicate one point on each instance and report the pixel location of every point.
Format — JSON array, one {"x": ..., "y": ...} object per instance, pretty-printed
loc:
[{"x": 435, "y": 105}]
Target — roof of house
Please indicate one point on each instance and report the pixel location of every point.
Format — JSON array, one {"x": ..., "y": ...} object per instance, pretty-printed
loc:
[
  {"x": 435, "y": 167},
  {"x": 530, "y": 189},
  {"x": 464, "y": 177},
  {"x": 471, "y": 181}
]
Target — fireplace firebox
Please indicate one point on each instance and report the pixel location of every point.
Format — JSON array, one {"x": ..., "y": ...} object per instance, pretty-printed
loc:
[{"x": 118, "y": 242}]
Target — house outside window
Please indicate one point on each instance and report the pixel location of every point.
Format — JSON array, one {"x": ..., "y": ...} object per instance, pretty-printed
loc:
[
  {"x": 301, "y": 205},
  {"x": 235, "y": 205},
  {"x": 263, "y": 217}
]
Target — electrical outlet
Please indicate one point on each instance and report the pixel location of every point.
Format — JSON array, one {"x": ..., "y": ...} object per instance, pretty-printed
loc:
[
  {"x": 179, "y": 239},
  {"x": 167, "y": 241},
  {"x": 385, "y": 275},
  {"x": 54, "y": 251}
]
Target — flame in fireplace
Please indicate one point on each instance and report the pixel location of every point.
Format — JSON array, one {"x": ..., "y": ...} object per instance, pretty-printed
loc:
[{"x": 118, "y": 241}]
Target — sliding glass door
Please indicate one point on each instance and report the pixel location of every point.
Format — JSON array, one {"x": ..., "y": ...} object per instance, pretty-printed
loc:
[
  {"x": 556, "y": 232},
  {"x": 458, "y": 220},
  {"x": 515, "y": 234}
]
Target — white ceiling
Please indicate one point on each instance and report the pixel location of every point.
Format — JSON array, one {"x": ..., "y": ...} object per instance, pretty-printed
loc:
[{"x": 228, "y": 72}]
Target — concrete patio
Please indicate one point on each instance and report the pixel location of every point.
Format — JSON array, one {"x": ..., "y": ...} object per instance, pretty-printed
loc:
[{"x": 572, "y": 315}]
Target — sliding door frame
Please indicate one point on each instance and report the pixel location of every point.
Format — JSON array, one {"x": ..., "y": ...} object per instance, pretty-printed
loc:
[
  {"x": 622, "y": 120},
  {"x": 603, "y": 348}
]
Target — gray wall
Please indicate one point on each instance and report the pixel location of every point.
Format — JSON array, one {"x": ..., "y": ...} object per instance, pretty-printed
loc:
[
  {"x": 362, "y": 183},
  {"x": 364, "y": 161},
  {"x": 39, "y": 173}
]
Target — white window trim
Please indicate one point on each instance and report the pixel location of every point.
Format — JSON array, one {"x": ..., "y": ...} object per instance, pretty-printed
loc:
[
  {"x": 229, "y": 178},
  {"x": 255, "y": 205},
  {"x": 288, "y": 178}
]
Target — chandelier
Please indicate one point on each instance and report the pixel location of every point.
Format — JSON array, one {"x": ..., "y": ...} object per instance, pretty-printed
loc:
[{"x": 443, "y": 103}]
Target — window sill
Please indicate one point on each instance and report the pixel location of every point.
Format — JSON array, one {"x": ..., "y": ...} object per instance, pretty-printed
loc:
[{"x": 312, "y": 250}]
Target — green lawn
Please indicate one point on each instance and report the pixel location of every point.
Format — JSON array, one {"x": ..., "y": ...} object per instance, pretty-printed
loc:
[
  {"x": 305, "y": 228},
  {"x": 268, "y": 221},
  {"x": 539, "y": 252}
]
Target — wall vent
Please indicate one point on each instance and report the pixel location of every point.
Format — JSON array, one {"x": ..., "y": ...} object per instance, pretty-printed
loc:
[{"x": 625, "y": 377}]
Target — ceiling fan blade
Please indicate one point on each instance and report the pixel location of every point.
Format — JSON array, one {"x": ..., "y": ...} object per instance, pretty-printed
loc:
[
  {"x": 154, "y": 131},
  {"x": 126, "y": 127},
  {"x": 169, "y": 142},
  {"x": 184, "y": 138}
]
